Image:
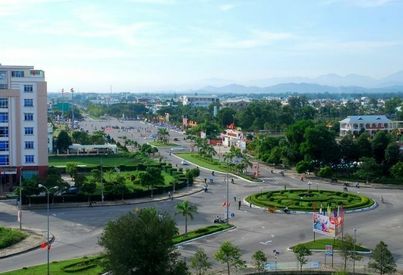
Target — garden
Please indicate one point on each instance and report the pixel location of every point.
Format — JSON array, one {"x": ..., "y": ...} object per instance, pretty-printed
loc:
[
  {"x": 120, "y": 177},
  {"x": 309, "y": 200}
]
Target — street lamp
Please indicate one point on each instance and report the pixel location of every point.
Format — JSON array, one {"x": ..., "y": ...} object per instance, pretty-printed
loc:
[
  {"x": 355, "y": 240},
  {"x": 20, "y": 201},
  {"x": 48, "y": 239},
  {"x": 309, "y": 186}
]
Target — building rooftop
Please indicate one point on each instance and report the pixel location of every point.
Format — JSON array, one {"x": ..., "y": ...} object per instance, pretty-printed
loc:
[{"x": 366, "y": 119}]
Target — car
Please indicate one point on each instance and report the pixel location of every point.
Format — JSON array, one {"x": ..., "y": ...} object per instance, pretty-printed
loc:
[
  {"x": 184, "y": 162},
  {"x": 175, "y": 139}
]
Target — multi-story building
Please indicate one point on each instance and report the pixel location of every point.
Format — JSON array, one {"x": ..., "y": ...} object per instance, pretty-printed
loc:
[
  {"x": 23, "y": 124},
  {"x": 199, "y": 101},
  {"x": 368, "y": 123}
]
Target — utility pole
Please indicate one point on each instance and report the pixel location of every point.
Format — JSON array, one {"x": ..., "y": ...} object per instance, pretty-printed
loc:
[
  {"x": 227, "y": 204},
  {"x": 355, "y": 240},
  {"x": 20, "y": 201},
  {"x": 102, "y": 182}
]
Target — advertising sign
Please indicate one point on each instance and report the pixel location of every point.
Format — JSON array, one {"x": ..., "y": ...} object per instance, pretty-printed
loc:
[
  {"x": 329, "y": 225},
  {"x": 328, "y": 250}
]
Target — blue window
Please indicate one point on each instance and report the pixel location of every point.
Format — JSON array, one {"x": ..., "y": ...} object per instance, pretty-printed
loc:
[
  {"x": 29, "y": 131},
  {"x": 3, "y": 131},
  {"x": 28, "y": 102},
  {"x": 29, "y": 145},
  {"x": 3, "y": 103},
  {"x": 3, "y": 117},
  {"x": 28, "y": 88},
  {"x": 4, "y": 160},
  {"x": 28, "y": 116},
  {"x": 17, "y": 73},
  {"x": 29, "y": 159},
  {"x": 3, "y": 145}
]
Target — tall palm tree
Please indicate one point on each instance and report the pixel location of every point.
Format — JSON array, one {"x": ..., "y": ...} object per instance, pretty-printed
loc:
[
  {"x": 163, "y": 135},
  {"x": 187, "y": 210}
]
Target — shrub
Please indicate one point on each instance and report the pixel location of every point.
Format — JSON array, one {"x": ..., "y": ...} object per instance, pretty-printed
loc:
[
  {"x": 325, "y": 172},
  {"x": 303, "y": 166}
]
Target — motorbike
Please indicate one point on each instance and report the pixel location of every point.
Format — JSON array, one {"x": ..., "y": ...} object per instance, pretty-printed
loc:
[{"x": 219, "y": 220}]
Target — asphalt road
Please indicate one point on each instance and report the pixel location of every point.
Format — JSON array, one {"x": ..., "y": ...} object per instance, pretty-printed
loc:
[{"x": 77, "y": 230}]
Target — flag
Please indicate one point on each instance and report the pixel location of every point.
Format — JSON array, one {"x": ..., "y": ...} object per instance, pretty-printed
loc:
[
  {"x": 225, "y": 204},
  {"x": 43, "y": 245},
  {"x": 329, "y": 211},
  {"x": 320, "y": 209}
]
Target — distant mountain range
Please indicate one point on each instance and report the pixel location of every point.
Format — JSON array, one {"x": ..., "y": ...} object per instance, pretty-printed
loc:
[{"x": 331, "y": 83}]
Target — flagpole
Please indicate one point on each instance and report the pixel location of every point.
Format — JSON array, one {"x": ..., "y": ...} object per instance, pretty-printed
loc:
[{"x": 226, "y": 180}]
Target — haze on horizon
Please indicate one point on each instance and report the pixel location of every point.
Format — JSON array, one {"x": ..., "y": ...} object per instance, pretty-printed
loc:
[{"x": 178, "y": 44}]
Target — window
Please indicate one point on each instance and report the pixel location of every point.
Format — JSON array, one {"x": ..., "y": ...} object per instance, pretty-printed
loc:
[
  {"x": 28, "y": 116},
  {"x": 3, "y": 102},
  {"x": 3, "y": 117},
  {"x": 3, "y": 145},
  {"x": 29, "y": 145},
  {"x": 17, "y": 74},
  {"x": 29, "y": 159},
  {"x": 4, "y": 160},
  {"x": 3, "y": 131},
  {"x": 29, "y": 131},
  {"x": 28, "y": 88},
  {"x": 28, "y": 102}
]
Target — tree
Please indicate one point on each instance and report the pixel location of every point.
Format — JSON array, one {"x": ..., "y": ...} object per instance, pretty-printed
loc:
[
  {"x": 349, "y": 150},
  {"x": 397, "y": 170},
  {"x": 368, "y": 169},
  {"x": 63, "y": 141},
  {"x": 154, "y": 178},
  {"x": 303, "y": 166},
  {"x": 140, "y": 243},
  {"x": 325, "y": 172},
  {"x": 259, "y": 259},
  {"x": 190, "y": 174},
  {"x": 230, "y": 255},
  {"x": 71, "y": 169},
  {"x": 29, "y": 188},
  {"x": 392, "y": 154},
  {"x": 226, "y": 116},
  {"x": 200, "y": 262},
  {"x": 364, "y": 145},
  {"x": 163, "y": 135},
  {"x": 378, "y": 144},
  {"x": 187, "y": 210},
  {"x": 301, "y": 252},
  {"x": 347, "y": 249},
  {"x": 382, "y": 259},
  {"x": 89, "y": 186}
]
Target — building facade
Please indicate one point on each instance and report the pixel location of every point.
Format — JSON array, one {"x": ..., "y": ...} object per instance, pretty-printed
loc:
[
  {"x": 23, "y": 124},
  {"x": 368, "y": 123},
  {"x": 199, "y": 101}
]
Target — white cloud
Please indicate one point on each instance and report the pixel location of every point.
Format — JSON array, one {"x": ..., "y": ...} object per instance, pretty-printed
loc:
[
  {"x": 10, "y": 7},
  {"x": 363, "y": 3},
  {"x": 226, "y": 7}
]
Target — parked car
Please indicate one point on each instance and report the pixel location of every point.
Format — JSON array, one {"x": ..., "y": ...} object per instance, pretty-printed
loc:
[{"x": 184, "y": 162}]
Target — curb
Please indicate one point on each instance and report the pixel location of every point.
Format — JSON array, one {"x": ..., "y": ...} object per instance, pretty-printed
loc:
[
  {"x": 337, "y": 251},
  {"x": 54, "y": 206},
  {"x": 28, "y": 249},
  {"x": 215, "y": 171},
  {"x": 201, "y": 237},
  {"x": 293, "y": 212}
]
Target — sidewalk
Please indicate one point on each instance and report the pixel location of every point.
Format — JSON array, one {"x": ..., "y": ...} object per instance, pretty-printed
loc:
[
  {"x": 32, "y": 242},
  {"x": 187, "y": 191}
]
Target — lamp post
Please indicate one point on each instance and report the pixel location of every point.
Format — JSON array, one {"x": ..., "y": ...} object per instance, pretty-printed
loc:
[
  {"x": 355, "y": 240},
  {"x": 48, "y": 239},
  {"x": 20, "y": 201},
  {"x": 309, "y": 186}
]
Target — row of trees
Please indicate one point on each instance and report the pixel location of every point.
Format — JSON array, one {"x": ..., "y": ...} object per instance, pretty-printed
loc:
[
  {"x": 140, "y": 242},
  {"x": 312, "y": 146},
  {"x": 64, "y": 139}
]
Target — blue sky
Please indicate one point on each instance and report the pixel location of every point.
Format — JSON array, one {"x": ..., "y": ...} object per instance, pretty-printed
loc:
[{"x": 161, "y": 44}]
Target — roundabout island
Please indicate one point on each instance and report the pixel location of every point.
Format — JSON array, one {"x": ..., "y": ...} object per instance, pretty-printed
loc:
[{"x": 309, "y": 200}]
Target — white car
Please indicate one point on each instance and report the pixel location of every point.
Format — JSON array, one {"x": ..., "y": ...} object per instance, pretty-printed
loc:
[{"x": 184, "y": 162}]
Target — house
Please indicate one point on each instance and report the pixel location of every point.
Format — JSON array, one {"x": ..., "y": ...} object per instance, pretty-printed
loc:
[
  {"x": 368, "y": 123},
  {"x": 233, "y": 137}
]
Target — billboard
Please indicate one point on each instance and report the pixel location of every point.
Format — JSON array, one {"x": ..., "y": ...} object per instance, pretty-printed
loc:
[{"x": 329, "y": 224}]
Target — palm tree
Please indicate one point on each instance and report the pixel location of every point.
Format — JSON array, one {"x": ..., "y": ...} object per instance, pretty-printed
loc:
[
  {"x": 187, "y": 210},
  {"x": 163, "y": 135}
]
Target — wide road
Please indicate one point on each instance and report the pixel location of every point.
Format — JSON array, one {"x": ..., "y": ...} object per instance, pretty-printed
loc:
[{"x": 77, "y": 230}]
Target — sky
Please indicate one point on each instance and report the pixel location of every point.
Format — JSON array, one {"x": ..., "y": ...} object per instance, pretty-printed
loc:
[{"x": 147, "y": 45}]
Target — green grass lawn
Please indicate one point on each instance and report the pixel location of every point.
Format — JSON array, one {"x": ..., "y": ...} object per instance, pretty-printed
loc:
[
  {"x": 211, "y": 164},
  {"x": 57, "y": 268},
  {"x": 92, "y": 161},
  {"x": 304, "y": 200},
  {"x": 10, "y": 236},
  {"x": 161, "y": 144},
  {"x": 93, "y": 263},
  {"x": 321, "y": 243},
  {"x": 201, "y": 232}
]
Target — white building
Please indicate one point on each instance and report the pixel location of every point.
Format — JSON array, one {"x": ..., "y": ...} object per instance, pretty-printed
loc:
[
  {"x": 199, "y": 101},
  {"x": 23, "y": 124},
  {"x": 233, "y": 137},
  {"x": 368, "y": 123}
]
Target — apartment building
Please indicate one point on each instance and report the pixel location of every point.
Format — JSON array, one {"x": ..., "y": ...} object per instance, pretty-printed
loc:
[{"x": 23, "y": 124}]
